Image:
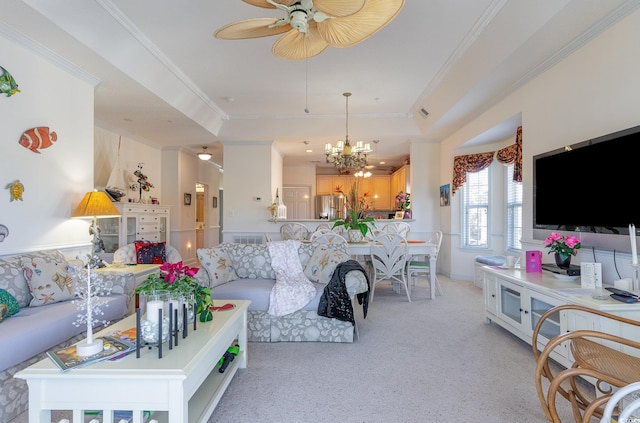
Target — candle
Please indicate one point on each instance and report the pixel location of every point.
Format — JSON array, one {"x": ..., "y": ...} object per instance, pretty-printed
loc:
[
  {"x": 634, "y": 251},
  {"x": 152, "y": 310}
]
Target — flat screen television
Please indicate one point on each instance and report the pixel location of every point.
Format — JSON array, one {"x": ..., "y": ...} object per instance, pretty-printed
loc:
[{"x": 589, "y": 187}]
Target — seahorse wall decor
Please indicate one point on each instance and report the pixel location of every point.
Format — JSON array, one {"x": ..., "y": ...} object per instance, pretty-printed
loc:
[{"x": 8, "y": 84}]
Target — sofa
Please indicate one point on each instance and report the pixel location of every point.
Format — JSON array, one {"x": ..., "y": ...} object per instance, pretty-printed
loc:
[
  {"x": 36, "y": 294},
  {"x": 244, "y": 271}
]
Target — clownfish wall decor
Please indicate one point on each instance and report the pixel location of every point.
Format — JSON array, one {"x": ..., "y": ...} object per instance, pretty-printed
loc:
[{"x": 38, "y": 138}]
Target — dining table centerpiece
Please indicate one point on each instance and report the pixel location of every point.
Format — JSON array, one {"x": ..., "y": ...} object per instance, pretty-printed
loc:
[
  {"x": 563, "y": 248},
  {"x": 177, "y": 278},
  {"x": 355, "y": 222}
]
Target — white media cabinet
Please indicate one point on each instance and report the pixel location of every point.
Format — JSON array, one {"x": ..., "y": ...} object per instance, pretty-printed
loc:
[{"x": 515, "y": 300}]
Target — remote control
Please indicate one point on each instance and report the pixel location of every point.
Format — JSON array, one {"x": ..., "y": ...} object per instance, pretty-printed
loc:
[
  {"x": 621, "y": 292},
  {"x": 625, "y": 298}
]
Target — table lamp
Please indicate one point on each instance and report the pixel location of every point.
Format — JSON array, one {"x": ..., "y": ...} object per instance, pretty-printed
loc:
[{"x": 95, "y": 204}]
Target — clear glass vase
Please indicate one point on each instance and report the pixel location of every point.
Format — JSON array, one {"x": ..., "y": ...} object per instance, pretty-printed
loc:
[{"x": 153, "y": 306}]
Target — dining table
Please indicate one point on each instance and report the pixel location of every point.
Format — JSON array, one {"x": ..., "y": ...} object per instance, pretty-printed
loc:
[{"x": 415, "y": 248}]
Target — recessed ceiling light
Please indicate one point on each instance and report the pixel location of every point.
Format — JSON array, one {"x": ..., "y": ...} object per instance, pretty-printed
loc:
[
  {"x": 309, "y": 151},
  {"x": 382, "y": 162}
]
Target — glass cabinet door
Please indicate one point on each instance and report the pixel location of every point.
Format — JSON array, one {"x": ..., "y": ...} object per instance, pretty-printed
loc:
[
  {"x": 551, "y": 326},
  {"x": 131, "y": 229},
  {"x": 510, "y": 304},
  {"x": 110, "y": 233}
]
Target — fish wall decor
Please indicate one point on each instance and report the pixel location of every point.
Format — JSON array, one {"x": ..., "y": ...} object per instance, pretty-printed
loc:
[
  {"x": 15, "y": 190},
  {"x": 4, "y": 232},
  {"x": 8, "y": 85},
  {"x": 38, "y": 138}
]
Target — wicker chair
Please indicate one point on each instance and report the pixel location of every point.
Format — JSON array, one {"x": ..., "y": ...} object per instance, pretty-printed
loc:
[
  {"x": 294, "y": 230},
  {"x": 597, "y": 356}
]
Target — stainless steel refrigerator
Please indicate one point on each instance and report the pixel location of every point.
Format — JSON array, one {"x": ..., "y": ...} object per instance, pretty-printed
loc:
[{"x": 329, "y": 207}]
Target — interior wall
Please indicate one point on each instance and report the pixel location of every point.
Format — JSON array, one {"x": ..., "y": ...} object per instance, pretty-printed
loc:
[
  {"x": 132, "y": 152},
  {"x": 248, "y": 168},
  {"x": 56, "y": 179},
  {"x": 590, "y": 93}
]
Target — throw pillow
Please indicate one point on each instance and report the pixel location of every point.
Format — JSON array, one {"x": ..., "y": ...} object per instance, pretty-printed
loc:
[
  {"x": 150, "y": 252},
  {"x": 8, "y": 300},
  {"x": 48, "y": 282},
  {"x": 323, "y": 262},
  {"x": 218, "y": 265}
]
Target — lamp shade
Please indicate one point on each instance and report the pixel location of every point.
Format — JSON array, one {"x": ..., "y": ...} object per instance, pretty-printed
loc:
[{"x": 95, "y": 204}]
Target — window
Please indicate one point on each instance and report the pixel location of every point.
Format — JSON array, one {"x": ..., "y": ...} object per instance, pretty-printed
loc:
[
  {"x": 514, "y": 211},
  {"x": 475, "y": 213}
]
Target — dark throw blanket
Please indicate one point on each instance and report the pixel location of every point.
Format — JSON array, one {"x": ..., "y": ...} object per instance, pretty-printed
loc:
[{"x": 335, "y": 301}]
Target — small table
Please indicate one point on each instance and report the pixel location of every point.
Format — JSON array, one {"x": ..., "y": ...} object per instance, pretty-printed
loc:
[{"x": 183, "y": 386}]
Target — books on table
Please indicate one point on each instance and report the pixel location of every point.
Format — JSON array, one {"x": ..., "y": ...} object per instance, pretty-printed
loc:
[{"x": 66, "y": 358}]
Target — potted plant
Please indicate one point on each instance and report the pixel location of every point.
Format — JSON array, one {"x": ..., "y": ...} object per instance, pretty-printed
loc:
[
  {"x": 178, "y": 278},
  {"x": 356, "y": 223},
  {"x": 563, "y": 247}
]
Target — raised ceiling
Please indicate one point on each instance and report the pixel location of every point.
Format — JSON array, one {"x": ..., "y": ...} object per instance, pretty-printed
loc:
[{"x": 162, "y": 78}]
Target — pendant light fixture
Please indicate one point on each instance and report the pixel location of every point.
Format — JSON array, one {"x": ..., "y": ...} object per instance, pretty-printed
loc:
[{"x": 204, "y": 155}]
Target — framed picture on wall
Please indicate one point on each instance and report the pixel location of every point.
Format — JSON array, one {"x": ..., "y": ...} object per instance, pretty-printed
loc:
[
  {"x": 215, "y": 202},
  {"x": 187, "y": 199},
  {"x": 444, "y": 195}
]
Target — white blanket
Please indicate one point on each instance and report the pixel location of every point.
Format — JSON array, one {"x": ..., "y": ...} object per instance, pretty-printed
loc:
[{"x": 292, "y": 290}]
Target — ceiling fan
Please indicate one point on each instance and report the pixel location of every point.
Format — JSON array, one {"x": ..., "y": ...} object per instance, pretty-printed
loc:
[{"x": 309, "y": 26}]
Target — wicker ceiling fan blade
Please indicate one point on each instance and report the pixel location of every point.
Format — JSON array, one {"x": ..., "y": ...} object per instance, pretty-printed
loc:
[
  {"x": 250, "y": 28},
  {"x": 294, "y": 45},
  {"x": 350, "y": 30},
  {"x": 263, "y": 3},
  {"x": 339, "y": 7}
]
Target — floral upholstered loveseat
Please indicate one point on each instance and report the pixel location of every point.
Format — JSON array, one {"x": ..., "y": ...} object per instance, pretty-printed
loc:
[
  {"x": 244, "y": 271},
  {"x": 39, "y": 316}
]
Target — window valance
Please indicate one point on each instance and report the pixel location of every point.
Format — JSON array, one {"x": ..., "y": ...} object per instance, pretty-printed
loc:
[{"x": 511, "y": 154}]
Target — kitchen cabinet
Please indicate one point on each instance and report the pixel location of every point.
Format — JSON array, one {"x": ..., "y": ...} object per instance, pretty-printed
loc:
[
  {"x": 147, "y": 222},
  {"x": 400, "y": 181},
  {"x": 376, "y": 185}
]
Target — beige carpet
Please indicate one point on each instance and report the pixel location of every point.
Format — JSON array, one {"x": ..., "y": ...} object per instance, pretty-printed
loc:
[{"x": 424, "y": 361}]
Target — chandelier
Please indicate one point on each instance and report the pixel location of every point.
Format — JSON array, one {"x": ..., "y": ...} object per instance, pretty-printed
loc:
[{"x": 344, "y": 156}]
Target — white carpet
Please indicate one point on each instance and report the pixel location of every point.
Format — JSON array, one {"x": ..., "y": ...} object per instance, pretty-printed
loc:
[{"x": 424, "y": 361}]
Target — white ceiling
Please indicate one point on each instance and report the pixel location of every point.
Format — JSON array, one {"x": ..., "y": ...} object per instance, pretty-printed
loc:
[{"x": 162, "y": 78}]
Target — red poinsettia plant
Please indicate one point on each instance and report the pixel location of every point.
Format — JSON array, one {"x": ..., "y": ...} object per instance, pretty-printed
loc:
[{"x": 180, "y": 278}]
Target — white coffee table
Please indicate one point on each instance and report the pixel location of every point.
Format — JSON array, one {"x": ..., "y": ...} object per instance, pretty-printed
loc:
[{"x": 183, "y": 386}]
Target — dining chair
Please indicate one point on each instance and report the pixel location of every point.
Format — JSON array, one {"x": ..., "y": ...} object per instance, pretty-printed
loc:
[
  {"x": 627, "y": 402},
  {"x": 401, "y": 228},
  {"x": 422, "y": 264},
  {"x": 389, "y": 253},
  {"x": 294, "y": 230},
  {"x": 328, "y": 238},
  {"x": 319, "y": 232},
  {"x": 323, "y": 226}
]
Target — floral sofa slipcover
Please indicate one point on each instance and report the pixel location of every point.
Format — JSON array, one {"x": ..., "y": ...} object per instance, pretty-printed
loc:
[
  {"x": 243, "y": 271},
  {"x": 42, "y": 321}
]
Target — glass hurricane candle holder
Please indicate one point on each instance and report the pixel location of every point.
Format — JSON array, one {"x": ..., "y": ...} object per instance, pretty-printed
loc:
[{"x": 153, "y": 306}]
